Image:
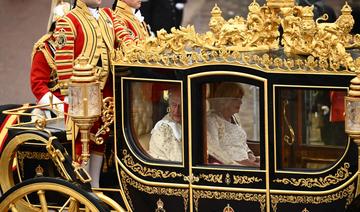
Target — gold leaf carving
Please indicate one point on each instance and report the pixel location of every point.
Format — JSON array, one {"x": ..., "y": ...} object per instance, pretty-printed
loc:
[
  {"x": 237, "y": 196},
  {"x": 21, "y": 155},
  {"x": 107, "y": 117},
  {"x": 145, "y": 171},
  {"x": 213, "y": 178},
  {"x": 245, "y": 179},
  {"x": 235, "y": 40},
  {"x": 322, "y": 182},
  {"x": 126, "y": 180},
  {"x": 347, "y": 193}
]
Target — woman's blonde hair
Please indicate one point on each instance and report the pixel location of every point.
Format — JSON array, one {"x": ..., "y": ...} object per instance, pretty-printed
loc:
[
  {"x": 225, "y": 91},
  {"x": 229, "y": 89}
]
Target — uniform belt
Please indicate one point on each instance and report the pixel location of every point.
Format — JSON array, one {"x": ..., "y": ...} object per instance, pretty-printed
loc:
[{"x": 53, "y": 86}]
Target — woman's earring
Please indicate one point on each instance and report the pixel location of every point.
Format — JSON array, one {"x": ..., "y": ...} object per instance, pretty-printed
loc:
[{"x": 168, "y": 109}]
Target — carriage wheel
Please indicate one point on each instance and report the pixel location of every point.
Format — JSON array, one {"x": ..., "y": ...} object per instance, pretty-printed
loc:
[
  {"x": 112, "y": 204},
  {"x": 44, "y": 193}
]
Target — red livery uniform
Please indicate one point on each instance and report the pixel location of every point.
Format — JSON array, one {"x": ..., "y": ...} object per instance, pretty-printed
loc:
[
  {"x": 136, "y": 29},
  {"x": 92, "y": 33},
  {"x": 337, "y": 109},
  {"x": 43, "y": 79},
  {"x": 79, "y": 33},
  {"x": 43, "y": 70}
]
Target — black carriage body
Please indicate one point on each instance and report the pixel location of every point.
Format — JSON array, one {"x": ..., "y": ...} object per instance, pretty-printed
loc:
[{"x": 280, "y": 184}]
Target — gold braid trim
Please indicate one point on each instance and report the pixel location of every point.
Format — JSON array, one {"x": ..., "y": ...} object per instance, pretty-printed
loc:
[
  {"x": 49, "y": 58},
  {"x": 124, "y": 12},
  {"x": 40, "y": 44},
  {"x": 56, "y": 87}
]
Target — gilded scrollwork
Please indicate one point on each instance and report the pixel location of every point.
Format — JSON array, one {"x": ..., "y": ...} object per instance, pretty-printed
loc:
[
  {"x": 237, "y": 196},
  {"x": 347, "y": 193},
  {"x": 326, "y": 41},
  {"x": 126, "y": 180},
  {"x": 266, "y": 62},
  {"x": 324, "y": 44},
  {"x": 107, "y": 117},
  {"x": 125, "y": 188},
  {"x": 213, "y": 178},
  {"x": 21, "y": 155},
  {"x": 145, "y": 171},
  {"x": 191, "y": 178},
  {"x": 245, "y": 179},
  {"x": 342, "y": 174}
]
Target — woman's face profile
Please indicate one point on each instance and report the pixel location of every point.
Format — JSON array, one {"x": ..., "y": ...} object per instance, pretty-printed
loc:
[{"x": 233, "y": 106}]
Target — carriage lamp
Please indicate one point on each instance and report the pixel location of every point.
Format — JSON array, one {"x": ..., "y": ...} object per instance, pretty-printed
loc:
[
  {"x": 352, "y": 114},
  {"x": 352, "y": 109},
  {"x": 84, "y": 102}
]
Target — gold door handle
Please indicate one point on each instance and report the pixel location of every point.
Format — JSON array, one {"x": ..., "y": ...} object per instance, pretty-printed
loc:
[{"x": 288, "y": 139}]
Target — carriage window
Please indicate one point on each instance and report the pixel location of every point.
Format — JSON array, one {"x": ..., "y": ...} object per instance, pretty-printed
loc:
[
  {"x": 156, "y": 119},
  {"x": 310, "y": 127},
  {"x": 232, "y": 124}
]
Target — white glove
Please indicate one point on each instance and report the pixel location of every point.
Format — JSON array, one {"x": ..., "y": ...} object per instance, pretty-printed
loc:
[
  {"x": 37, "y": 113},
  {"x": 179, "y": 6},
  {"x": 57, "y": 108}
]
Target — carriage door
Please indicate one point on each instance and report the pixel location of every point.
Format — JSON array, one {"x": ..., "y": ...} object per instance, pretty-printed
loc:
[
  {"x": 228, "y": 162},
  {"x": 314, "y": 162},
  {"x": 149, "y": 142}
]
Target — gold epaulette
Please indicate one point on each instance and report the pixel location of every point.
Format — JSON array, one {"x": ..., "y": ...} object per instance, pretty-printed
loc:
[{"x": 40, "y": 46}]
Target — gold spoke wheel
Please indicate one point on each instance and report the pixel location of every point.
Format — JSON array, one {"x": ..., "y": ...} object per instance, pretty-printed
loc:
[{"x": 78, "y": 199}]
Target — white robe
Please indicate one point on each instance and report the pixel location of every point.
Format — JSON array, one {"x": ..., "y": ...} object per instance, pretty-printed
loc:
[
  {"x": 165, "y": 142},
  {"x": 226, "y": 141}
]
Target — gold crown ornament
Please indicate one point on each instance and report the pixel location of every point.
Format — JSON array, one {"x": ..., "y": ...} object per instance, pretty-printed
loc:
[
  {"x": 216, "y": 11},
  {"x": 254, "y": 7},
  {"x": 346, "y": 9}
]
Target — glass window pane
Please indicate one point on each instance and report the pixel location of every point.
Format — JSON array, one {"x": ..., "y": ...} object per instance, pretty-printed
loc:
[
  {"x": 232, "y": 124},
  {"x": 311, "y": 129},
  {"x": 156, "y": 119}
]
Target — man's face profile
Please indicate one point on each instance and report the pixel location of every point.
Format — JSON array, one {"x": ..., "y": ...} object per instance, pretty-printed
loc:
[
  {"x": 92, "y": 3},
  {"x": 175, "y": 106},
  {"x": 136, "y": 4}
]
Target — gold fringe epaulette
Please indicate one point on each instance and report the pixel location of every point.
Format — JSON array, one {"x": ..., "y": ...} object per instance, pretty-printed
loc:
[{"x": 40, "y": 46}]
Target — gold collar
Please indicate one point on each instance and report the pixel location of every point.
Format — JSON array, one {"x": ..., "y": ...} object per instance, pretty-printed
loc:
[
  {"x": 82, "y": 6},
  {"x": 123, "y": 6}
]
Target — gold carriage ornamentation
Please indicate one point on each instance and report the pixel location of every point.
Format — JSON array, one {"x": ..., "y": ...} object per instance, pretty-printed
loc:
[
  {"x": 278, "y": 69},
  {"x": 325, "y": 44}
]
